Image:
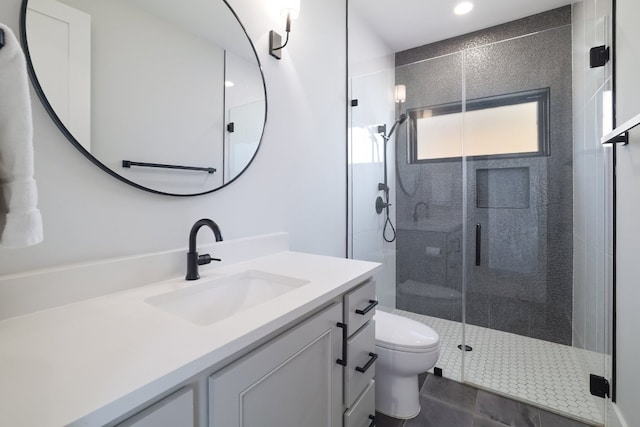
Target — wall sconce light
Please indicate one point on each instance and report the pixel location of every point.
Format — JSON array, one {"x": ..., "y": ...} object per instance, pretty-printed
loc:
[
  {"x": 290, "y": 10},
  {"x": 400, "y": 94}
]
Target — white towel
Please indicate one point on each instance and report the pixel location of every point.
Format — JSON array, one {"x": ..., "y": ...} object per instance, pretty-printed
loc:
[{"x": 20, "y": 219}]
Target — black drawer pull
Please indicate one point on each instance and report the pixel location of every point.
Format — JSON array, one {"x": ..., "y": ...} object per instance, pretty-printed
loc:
[
  {"x": 372, "y": 304},
  {"x": 373, "y": 357},
  {"x": 343, "y": 361},
  {"x": 373, "y": 420}
]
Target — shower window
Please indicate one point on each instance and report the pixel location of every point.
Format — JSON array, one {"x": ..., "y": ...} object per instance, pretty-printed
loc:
[{"x": 511, "y": 125}]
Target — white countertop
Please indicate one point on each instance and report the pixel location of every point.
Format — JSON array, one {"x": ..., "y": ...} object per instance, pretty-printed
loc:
[{"x": 86, "y": 363}]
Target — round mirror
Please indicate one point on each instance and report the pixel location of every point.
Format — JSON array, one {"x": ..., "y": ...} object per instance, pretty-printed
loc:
[{"x": 166, "y": 96}]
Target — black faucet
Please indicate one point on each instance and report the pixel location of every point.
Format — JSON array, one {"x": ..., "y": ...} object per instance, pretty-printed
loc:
[{"x": 193, "y": 259}]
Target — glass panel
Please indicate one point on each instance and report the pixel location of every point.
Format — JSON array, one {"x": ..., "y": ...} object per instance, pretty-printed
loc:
[
  {"x": 534, "y": 325},
  {"x": 593, "y": 207},
  {"x": 374, "y": 94},
  {"x": 429, "y": 200}
]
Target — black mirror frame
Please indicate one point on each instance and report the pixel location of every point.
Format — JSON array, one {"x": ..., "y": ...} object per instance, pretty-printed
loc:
[{"x": 87, "y": 154}]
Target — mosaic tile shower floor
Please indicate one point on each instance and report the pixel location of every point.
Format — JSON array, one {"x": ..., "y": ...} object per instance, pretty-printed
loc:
[{"x": 539, "y": 372}]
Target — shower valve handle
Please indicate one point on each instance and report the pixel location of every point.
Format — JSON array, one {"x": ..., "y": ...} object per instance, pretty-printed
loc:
[{"x": 381, "y": 205}]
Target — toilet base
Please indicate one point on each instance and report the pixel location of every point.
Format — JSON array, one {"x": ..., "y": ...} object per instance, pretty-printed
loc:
[{"x": 397, "y": 397}]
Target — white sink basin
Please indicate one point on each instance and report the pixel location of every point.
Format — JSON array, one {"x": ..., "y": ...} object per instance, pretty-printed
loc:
[{"x": 216, "y": 299}]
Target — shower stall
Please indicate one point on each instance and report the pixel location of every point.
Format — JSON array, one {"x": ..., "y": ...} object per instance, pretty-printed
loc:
[{"x": 499, "y": 202}]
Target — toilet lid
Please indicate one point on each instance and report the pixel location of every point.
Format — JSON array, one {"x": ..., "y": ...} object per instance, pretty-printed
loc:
[{"x": 400, "y": 333}]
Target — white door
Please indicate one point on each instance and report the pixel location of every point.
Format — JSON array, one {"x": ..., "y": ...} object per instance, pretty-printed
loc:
[
  {"x": 243, "y": 141},
  {"x": 60, "y": 49}
]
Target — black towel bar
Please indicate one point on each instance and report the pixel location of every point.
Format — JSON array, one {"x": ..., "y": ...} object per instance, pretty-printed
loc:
[{"x": 129, "y": 163}]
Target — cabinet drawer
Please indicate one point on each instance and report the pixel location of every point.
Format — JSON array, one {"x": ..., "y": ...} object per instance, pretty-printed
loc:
[
  {"x": 361, "y": 349},
  {"x": 359, "y": 305},
  {"x": 365, "y": 407}
]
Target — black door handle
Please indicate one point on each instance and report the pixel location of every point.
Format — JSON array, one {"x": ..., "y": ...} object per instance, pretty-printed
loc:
[
  {"x": 373, "y": 420},
  {"x": 478, "y": 244},
  {"x": 343, "y": 361},
  {"x": 372, "y": 303},
  {"x": 372, "y": 359}
]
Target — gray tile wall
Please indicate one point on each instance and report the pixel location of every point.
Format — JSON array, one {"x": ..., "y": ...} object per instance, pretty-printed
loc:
[{"x": 525, "y": 282}]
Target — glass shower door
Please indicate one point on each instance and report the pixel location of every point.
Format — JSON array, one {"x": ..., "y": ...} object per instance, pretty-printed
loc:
[{"x": 521, "y": 294}]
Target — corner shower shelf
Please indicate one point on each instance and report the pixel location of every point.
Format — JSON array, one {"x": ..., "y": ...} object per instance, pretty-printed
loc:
[{"x": 620, "y": 134}]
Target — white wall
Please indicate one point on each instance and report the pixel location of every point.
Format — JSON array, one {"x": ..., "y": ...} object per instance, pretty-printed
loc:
[
  {"x": 368, "y": 52},
  {"x": 297, "y": 183},
  {"x": 628, "y": 208}
]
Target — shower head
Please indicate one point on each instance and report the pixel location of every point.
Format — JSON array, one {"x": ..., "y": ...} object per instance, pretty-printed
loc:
[{"x": 401, "y": 120}]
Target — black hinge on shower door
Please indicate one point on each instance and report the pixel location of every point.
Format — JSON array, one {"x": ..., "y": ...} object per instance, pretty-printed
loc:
[
  {"x": 598, "y": 56},
  {"x": 598, "y": 386}
]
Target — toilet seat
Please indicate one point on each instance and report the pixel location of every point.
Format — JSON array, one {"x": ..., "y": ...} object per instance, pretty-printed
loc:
[{"x": 403, "y": 334}]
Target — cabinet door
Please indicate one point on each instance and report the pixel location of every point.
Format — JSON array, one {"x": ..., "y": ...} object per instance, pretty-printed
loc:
[
  {"x": 362, "y": 413},
  {"x": 292, "y": 381},
  {"x": 175, "y": 410}
]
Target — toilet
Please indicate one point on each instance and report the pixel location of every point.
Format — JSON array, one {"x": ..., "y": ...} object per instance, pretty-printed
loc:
[{"x": 405, "y": 349}]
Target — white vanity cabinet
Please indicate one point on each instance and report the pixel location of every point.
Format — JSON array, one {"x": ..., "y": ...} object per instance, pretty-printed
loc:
[
  {"x": 318, "y": 373},
  {"x": 175, "y": 410},
  {"x": 359, "y": 386},
  {"x": 293, "y": 380}
]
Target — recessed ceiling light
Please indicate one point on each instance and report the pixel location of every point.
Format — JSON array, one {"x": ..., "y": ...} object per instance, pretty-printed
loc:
[{"x": 462, "y": 8}]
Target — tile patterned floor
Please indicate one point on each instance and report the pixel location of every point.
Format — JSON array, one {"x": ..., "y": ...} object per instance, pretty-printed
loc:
[
  {"x": 538, "y": 372},
  {"x": 447, "y": 403}
]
